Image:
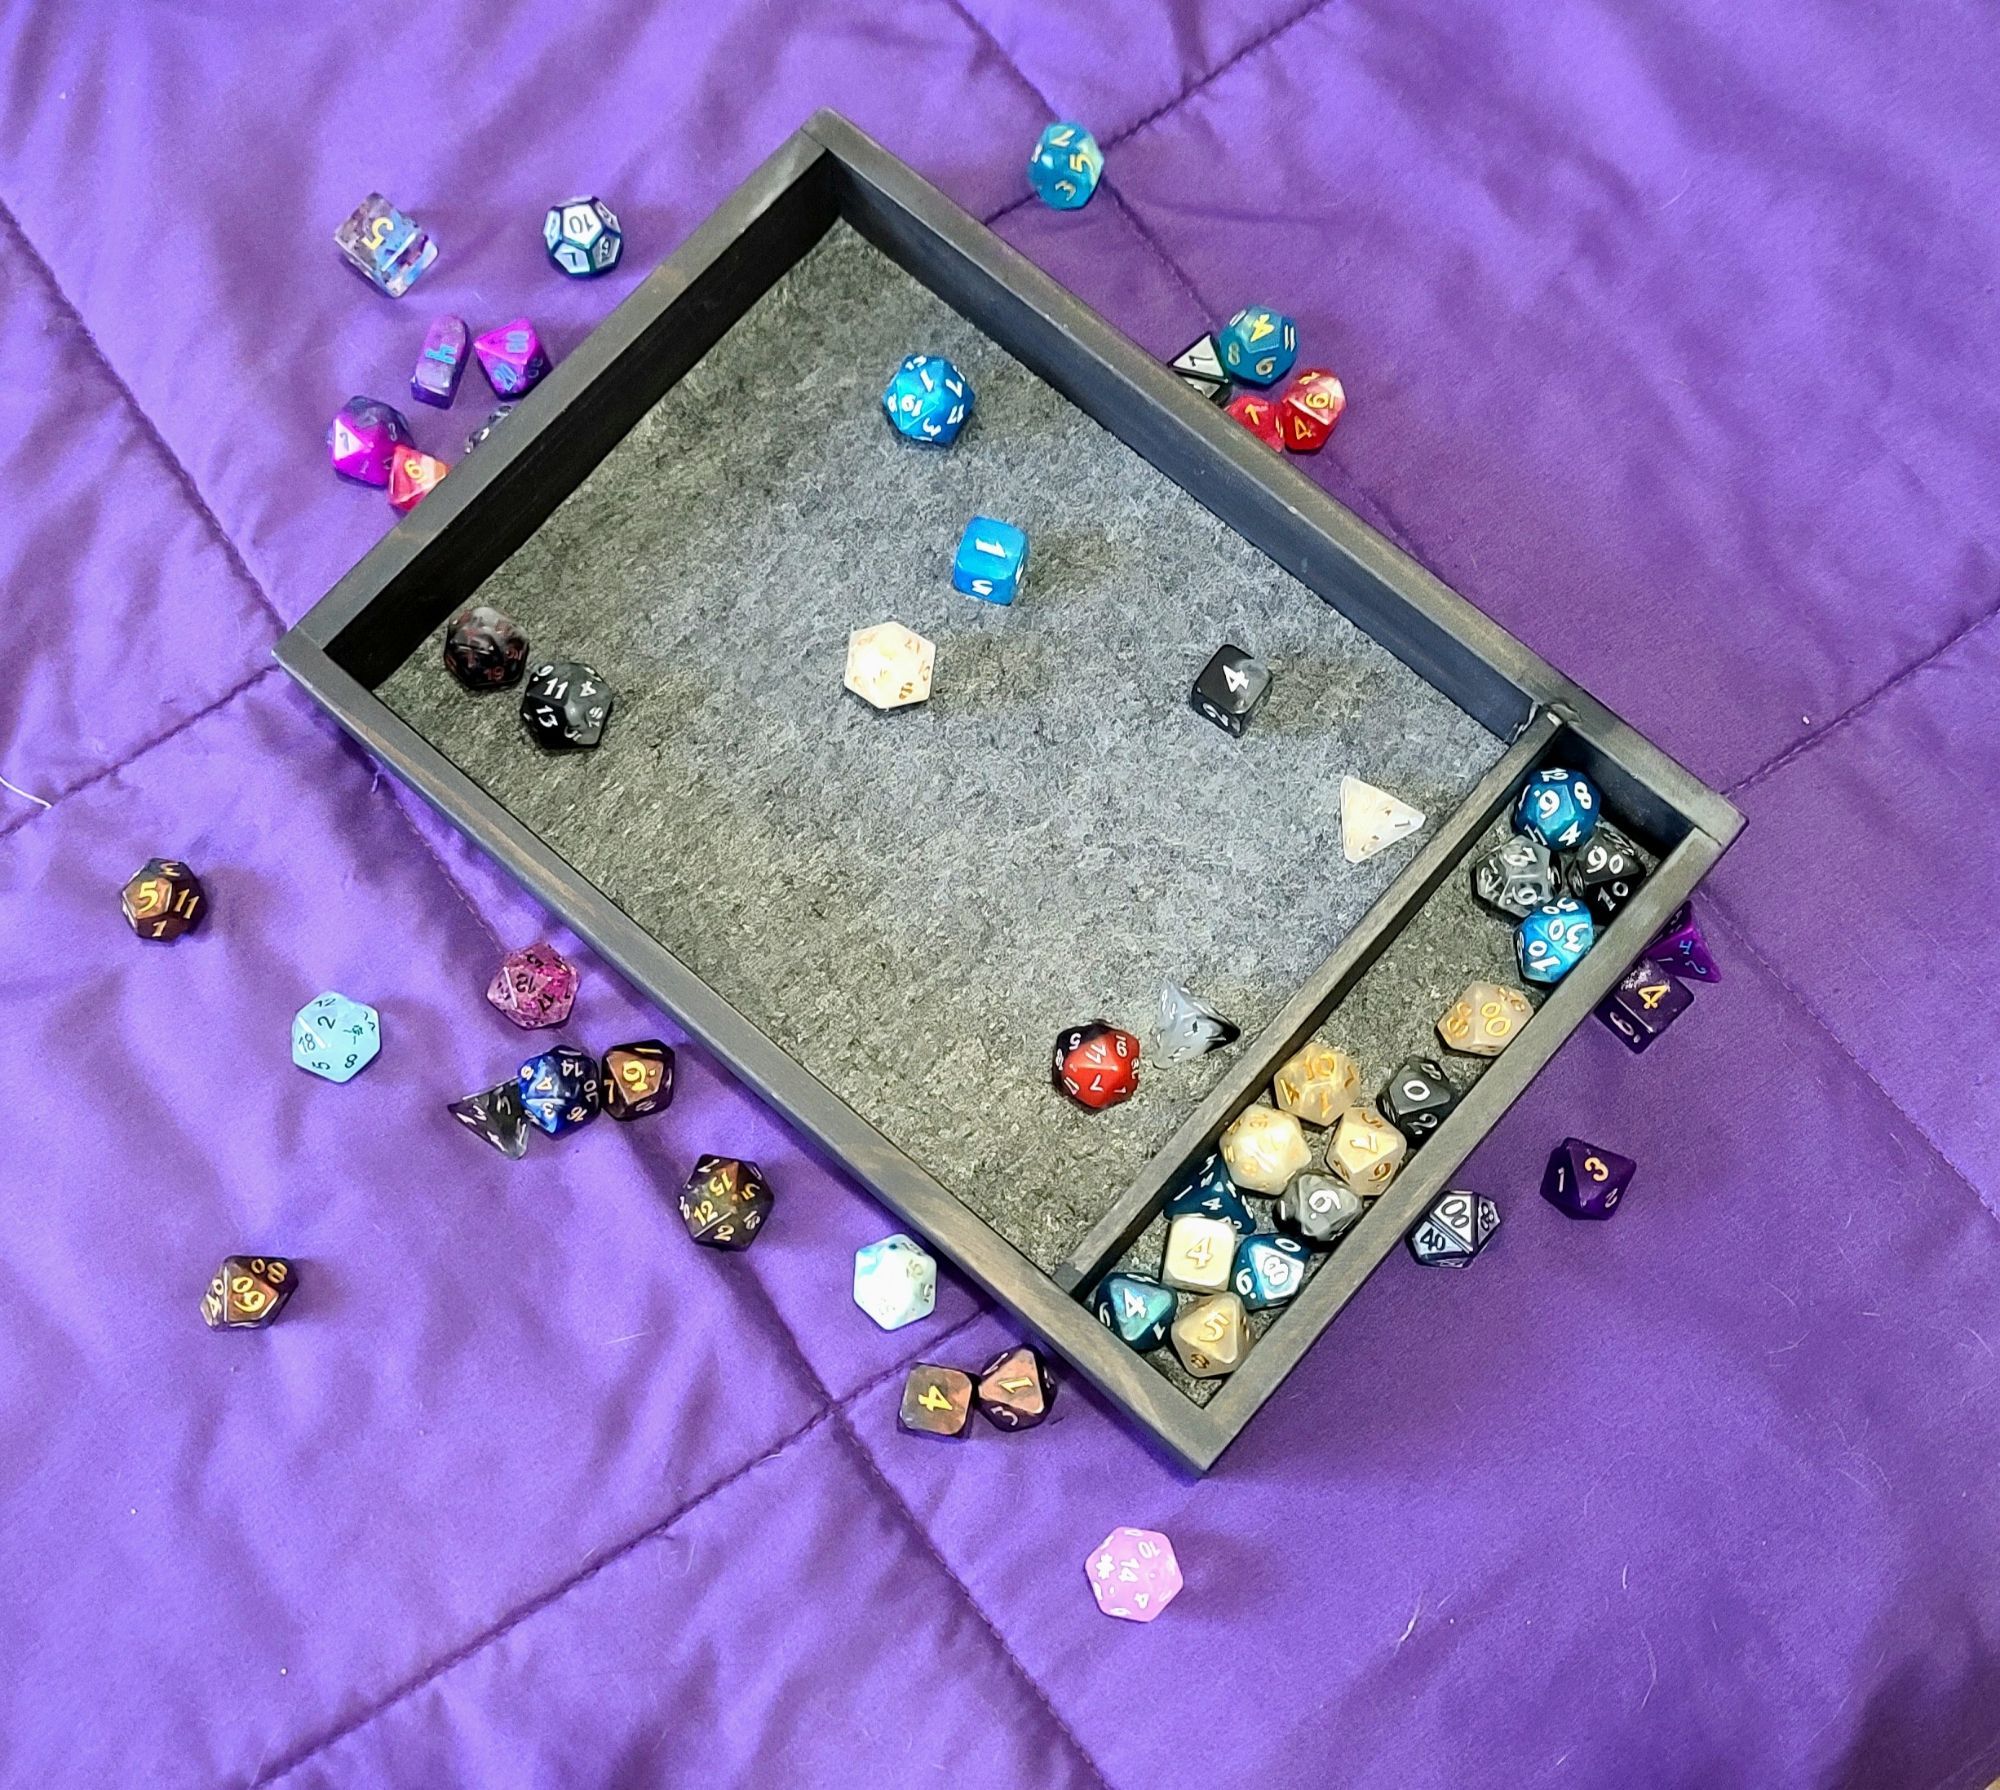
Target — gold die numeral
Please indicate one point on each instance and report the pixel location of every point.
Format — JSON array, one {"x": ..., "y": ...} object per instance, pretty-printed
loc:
[{"x": 933, "y": 1400}]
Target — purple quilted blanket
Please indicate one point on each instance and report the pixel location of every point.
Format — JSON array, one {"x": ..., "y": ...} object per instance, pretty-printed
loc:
[{"x": 1668, "y": 328}]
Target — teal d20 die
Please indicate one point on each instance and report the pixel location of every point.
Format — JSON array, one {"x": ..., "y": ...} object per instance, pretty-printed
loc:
[
  {"x": 1212, "y": 1194},
  {"x": 992, "y": 561},
  {"x": 1269, "y": 1270},
  {"x": 1066, "y": 165},
  {"x": 1551, "y": 941},
  {"x": 1135, "y": 1308},
  {"x": 336, "y": 1038},
  {"x": 927, "y": 400}
]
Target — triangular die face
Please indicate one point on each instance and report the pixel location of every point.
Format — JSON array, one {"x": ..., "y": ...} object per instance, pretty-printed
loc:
[
  {"x": 1201, "y": 360},
  {"x": 1455, "y": 1215},
  {"x": 1371, "y": 819}
]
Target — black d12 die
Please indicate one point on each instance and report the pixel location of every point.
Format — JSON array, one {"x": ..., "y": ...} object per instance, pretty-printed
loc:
[
  {"x": 1605, "y": 871},
  {"x": 565, "y": 706},
  {"x": 1416, "y": 1098},
  {"x": 1230, "y": 687}
]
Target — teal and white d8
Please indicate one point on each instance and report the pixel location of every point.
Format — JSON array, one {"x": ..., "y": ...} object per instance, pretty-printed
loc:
[
  {"x": 1560, "y": 808},
  {"x": 895, "y": 1282},
  {"x": 336, "y": 1038},
  {"x": 1065, "y": 167},
  {"x": 1269, "y": 1270},
  {"x": 1551, "y": 941},
  {"x": 1259, "y": 345},
  {"x": 992, "y": 561},
  {"x": 927, "y": 400},
  {"x": 583, "y": 237}
]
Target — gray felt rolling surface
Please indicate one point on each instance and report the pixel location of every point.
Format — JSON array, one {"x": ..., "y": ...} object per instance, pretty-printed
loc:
[{"x": 914, "y": 904}]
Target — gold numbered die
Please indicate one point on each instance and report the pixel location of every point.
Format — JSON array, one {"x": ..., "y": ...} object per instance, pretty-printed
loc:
[
  {"x": 1264, "y": 1149},
  {"x": 1212, "y": 1336},
  {"x": 1366, "y": 1150},
  {"x": 1484, "y": 1020},
  {"x": 1317, "y": 1083},
  {"x": 1200, "y": 1251}
]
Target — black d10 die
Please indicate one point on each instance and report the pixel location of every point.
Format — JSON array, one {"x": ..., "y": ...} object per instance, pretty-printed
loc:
[
  {"x": 1229, "y": 689},
  {"x": 1517, "y": 877},
  {"x": 1605, "y": 871},
  {"x": 565, "y": 706},
  {"x": 1416, "y": 1098}
]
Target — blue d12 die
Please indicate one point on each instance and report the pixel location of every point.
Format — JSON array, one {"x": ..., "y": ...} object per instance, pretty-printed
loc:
[
  {"x": 335, "y": 1038},
  {"x": 1268, "y": 1270},
  {"x": 1551, "y": 941},
  {"x": 1065, "y": 167},
  {"x": 1212, "y": 1194},
  {"x": 1135, "y": 1308},
  {"x": 992, "y": 561},
  {"x": 1558, "y": 807},
  {"x": 560, "y": 1089},
  {"x": 927, "y": 400},
  {"x": 1259, "y": 345}
]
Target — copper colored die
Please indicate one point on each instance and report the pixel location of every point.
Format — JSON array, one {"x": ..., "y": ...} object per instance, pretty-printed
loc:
[
  {"x": 163, "y": 900},
  {"x": 1485, "y": 1019},
  {"x": 638, "y": 1078},
  {"x": 535, "y": 986},
  {"x": 248, "y": 1291},
  {"x": 937, "y": 1401},
  {"x": 725, "y": 1204},
  {"x": 1016, "y": 1389}
]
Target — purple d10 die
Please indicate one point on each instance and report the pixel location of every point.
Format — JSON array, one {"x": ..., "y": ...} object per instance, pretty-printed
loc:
[
  {"x": 512, "y": 358},
  {"x": 1587, "y": 1180},
  {"x": 386, "y": 248},
  {"x": 1644, "y": 1004},
  {"x": 534, "y": 987},
  {"x": 442, "y": 362},
  {"x": 1683, "y": 949},
  {"x": 363, "y": 437}
]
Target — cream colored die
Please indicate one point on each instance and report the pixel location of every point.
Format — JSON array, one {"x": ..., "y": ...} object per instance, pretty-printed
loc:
[
  {"x": 1366, "y": 1150},
  {"x": 1483, "y": 1020},
  {"x": 1264, "y": 1149},
  {"x": 888, "y": 666},
  {"x": 1317, "y": 1083},
  {"x": 1200, "y": 1251},
  {"x": 1212, "y": 1336}
]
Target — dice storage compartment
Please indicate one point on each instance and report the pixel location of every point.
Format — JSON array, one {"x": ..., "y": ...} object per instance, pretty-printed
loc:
[{"x": 881, "y": 921}]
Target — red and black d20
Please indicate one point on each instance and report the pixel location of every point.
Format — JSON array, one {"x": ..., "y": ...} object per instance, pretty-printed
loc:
[
  {"x": 163, "y": 900},
  {"x": 725, "y": 1202},
  {"x": 1097, "y": 1065},
  {"x": 248, "y": 1291},
  {"x": 1016, "y": 1389},
  {"x": 937, "y": 1401},
  {"x": 1586, "y": 1180},
  {"x": 638, "y": 1078}
]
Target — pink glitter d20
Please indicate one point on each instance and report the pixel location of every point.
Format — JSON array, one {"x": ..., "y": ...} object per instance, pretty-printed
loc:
[
  {"x": 534, "y": 987},
  {"x": 1134, "y": 1574},
  {"x": 512, "y": 358},
  {"x": 363, "y": 438}
]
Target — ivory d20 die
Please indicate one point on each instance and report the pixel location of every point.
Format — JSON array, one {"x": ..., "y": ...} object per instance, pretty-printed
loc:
[
  {"x": 1133, "y": 1574},
  {"x": 1015, "y": 1390},
  {"x": 163, "y": 900},
  {"x": 1212, "y": 1336},
  {"x": 1317, "y": 1083},
  {"x": 1455, "y": 1227},
  {"x": 1586, "y": 1180},
  {"x": 1485, "y": 1019},
  {"x": 1135, "y": 1308},
  {"x": 335, "y": 1038},
  {"x": 1198, "y": 1254},
  {"x": 895, "y": 1281},
  {"x": 1366, "y": 1150},
  {"x": 1264, "y": 1149},
  {"x": 889, "y": 666}
]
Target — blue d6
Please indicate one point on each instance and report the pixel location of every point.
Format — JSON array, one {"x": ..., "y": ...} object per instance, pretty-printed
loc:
[
  {"x": 1259, "y": 345},
  {"x": 1212, "y": 1194},
  {"x": 1586, "y": 1180},
  {"x": 1560, "y": 808},
  {"x": 1269, "y": 1270},
  {"x": 583, "y": 237},
  {"x": 1644, "y": 1004},
  {"x": 1135, "y": 1308},
  {"x": 1065, "y": 167},
  {"x": 992, "y": 561},
  {"x": 386, "y": 248},
  {"x": 560, "y": 1089},
  {"x": 335, "y": 1038},
  {"x": 927, "y": 400},
  {"x": 1551, "y": 941}
]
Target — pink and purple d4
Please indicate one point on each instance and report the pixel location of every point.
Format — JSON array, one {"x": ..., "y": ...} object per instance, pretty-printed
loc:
[
  {"x": 512, "y": 358},
  {"x": 534, "y": 987},
  {"x": 363, "y": 438},
  {"x": 442, "y": 363},
  {"x": 1133, "y": 1574},
  {"x": 1586, "y": 1180},
  {"x": 1684, "y": 949},
  {"x": 388, "y": 249}
]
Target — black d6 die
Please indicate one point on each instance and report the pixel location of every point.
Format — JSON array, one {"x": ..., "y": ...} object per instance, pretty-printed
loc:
[
  {"x": 1517, "y": 877},
  {"x": 1230, "y": 687},
  {"x": 1604, "y": 872},
  {"x": 1416, "y": 1098},
  {"x": 565, "y": 706},
  {"x": 484, "y": 649},
  {"x": 725, "y": 1202}
]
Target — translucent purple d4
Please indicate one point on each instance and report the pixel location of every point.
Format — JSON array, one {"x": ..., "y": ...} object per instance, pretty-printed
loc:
[
  {"x": 385, "y": 247},
  {"x": 442, "y": 362},
  {"x": 1586, "y": 1180},
  {"x": 512, "y": 358},
  {"x": 363, "y": 438},
  {"x": 1684, "y": 949}
]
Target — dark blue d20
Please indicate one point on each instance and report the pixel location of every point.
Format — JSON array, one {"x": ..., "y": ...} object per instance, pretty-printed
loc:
[{"x": 560, "y": 1089}]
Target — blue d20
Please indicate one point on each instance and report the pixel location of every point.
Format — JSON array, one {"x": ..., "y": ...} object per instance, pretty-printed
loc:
[
  {"x": 927, "y": 400},
  {"x": 1268, "y": 1270},
  {"x": 1551, "y": 941},
  {"x": 1560, "y": 808},
  {"x": 992, "y": 561},
  {"x": 1212, "y": 1194},
  {"x": 1135, "y": 1308},
  {"x": 335, "y": 1038},
  {"x": 1065, "y": 167},
  {"x": 1259, "y": 345},
  {"x": 560, "y": 1089}
]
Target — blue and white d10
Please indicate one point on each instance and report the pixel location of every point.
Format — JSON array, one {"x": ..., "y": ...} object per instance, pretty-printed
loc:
[
  {"x": 1269, "y": 1270},
  {"x": 1135, "y": 1308},
  {"x": 386, "y": 248},
  {"x": 1065, "y": 167},
  {"x": 927, "y": 400},
  {"x": 895, "y": 1282},
  {"x": 1560, "y": 808},
  {"x": 1259, "y": 345},
  {"x": 336, "y": 1038},
  {"x": 1551, "y": 941},
  {"x": 1212, "y": 1194},
  {"x": 992, "y": 561},
  {"x": 583, "y": 237}
]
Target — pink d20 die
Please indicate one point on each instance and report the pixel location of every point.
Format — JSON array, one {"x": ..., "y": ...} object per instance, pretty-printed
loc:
[
  {"x": 1134, "y": 1574},
  {"x": 512, "y": 358},
  {"x": 363, "y": 437},
  {"x": 534, "y": 987}
]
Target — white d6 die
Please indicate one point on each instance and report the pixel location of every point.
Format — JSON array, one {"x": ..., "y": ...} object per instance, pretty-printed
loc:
[{"x": 895, "y": 1282}]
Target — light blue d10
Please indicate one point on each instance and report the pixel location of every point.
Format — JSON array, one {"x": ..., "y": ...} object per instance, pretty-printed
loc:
[
  {"x": 1135, "y": 1308},
  {"x": 1551, "y": 941},
  {"x": 1212, "y": 1194},
  {"x": 1560, "y": 808},
  {"x": 336, "y": 1038},
  {"x": 992, "y": 561},
  {"x": 1065, "y": 166},
  {"x": 1269, "y": 1270},
  {"x": 1259, "y": 345},
  {"x": 927, "y": 400}
]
